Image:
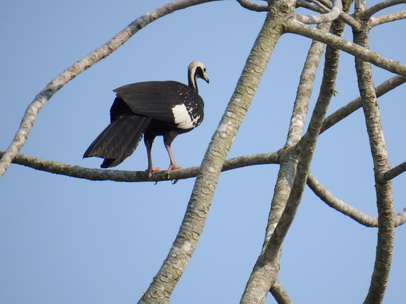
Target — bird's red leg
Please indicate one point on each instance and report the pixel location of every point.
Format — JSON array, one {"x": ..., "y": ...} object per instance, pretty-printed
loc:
[
  {"x": 173, "y": 164},
  {"x": 150, "y": 168}
]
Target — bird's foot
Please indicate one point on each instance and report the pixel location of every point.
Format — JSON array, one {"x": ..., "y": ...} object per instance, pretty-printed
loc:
[
  {"x": 152, "y": 170},
  {"x": 172, "y": 167}
]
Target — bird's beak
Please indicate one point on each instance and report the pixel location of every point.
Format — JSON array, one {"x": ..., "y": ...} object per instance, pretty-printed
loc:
[{"x": 206, "y": 78}]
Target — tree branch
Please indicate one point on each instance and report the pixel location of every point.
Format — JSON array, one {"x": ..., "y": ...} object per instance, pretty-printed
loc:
[
  {"x": 386, "y": 231},
  {"x": 267, "y": 265},
  {"x": 279, "y": 293},
  {"x": 355, "y": 104},
  {"x": 305, "y": 89},
  {"x": 57, "y": 83},
  {"x": 200, "y": 201},
  {"x": 322, "y": 18},
  {"x": 363, "y": 53},
  {"x": 253, "y": 6},
  {"x": 392, "y": 173},
  {"x": 380, "y": 6},
  {"x": 320, "y": 109},
  {"x": 337, "y": 204},
  {"x": 374, "y": 21},
  {"x": 137, "y": 176},
  {"x": 311, "y": 6}
]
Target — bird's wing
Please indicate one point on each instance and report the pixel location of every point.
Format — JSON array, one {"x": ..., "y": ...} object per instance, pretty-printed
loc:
[{"x": 156, "y": 99}]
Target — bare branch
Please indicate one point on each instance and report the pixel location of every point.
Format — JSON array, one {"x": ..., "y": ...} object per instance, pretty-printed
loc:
[
  {"x": 384, "y": 201},
  {"x": 57, "y": 83},
  {"x": 253, "y": 6},
  {"x": 322, "y": 18},
  {"x": 354, "y": 105},
  {"x": 323, "y": 8},
  {"x": 374, "y": 21},
  {"x": 305, "y": 89},
  {"x": 392, "y": 173},
  {"x": 136, "y": 176},
  {"x": 267, "y": 264},
  {"x": 311, "y": 6},
  {"x": 279, "y": 293},
  {"x": 382, "y": 5},
  {"x": 337, "y": 204},
  {"x": 297, "y": 27},
  {"x": 201, "y": 198}
]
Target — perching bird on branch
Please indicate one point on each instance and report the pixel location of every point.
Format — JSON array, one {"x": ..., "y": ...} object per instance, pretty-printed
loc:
[{"x": 150, "y": 108}]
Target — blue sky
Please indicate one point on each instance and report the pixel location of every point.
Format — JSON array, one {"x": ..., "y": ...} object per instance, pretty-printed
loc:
[{"x": 65, "y": 240}]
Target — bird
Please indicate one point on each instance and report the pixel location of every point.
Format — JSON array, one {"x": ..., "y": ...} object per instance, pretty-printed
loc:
[{"x": 149, "y": 109}]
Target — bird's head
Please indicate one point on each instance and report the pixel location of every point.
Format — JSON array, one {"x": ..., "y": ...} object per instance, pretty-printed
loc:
[{"x": 196, "y": 69}]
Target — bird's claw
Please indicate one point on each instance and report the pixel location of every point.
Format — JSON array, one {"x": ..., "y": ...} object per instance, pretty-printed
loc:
[
  {"x": 172, "y": 167},
  {"x": 150, "y": 171}
]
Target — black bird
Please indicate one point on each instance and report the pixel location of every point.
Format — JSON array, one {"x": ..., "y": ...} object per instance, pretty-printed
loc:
[{"x": 150, "y": 108}]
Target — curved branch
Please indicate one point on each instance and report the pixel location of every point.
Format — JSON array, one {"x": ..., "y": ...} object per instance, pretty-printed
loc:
[
  {"x": 253, "y": 6},
  {"x": 57, "y": 83},
  {"x": 387, "y": 18},
  {"x": 297, "y": 27},
  {"x": 382, "y": 5},
  {"x": 322, "y": 18},
  {"x": 137, "y": 176},
  {"x": 337, "y": 204},
  {"x": 310, "y": 6}
]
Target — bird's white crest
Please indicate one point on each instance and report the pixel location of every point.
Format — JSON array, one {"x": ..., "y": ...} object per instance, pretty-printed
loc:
[{"x": 182, "y": 117}]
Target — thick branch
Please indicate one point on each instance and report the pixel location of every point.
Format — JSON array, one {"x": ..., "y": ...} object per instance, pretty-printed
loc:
[
  {"x": 207, "y": 178},
  {"x": 379, "y": 153},
  {"x": 57, "y": 83},
  {"x": 337, "y": 204},
  {"x": 358, "y": 51},
  {"x": 267, "y": 264},
  {"x": 327, "y": 86},
  {"x": 305, "y": 90}
]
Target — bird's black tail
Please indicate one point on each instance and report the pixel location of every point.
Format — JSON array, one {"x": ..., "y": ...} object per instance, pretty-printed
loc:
[{"x": 118, "y": 140}]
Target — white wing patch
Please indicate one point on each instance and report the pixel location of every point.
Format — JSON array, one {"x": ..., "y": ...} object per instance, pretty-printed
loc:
[{"x": 183, "y": 119}]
